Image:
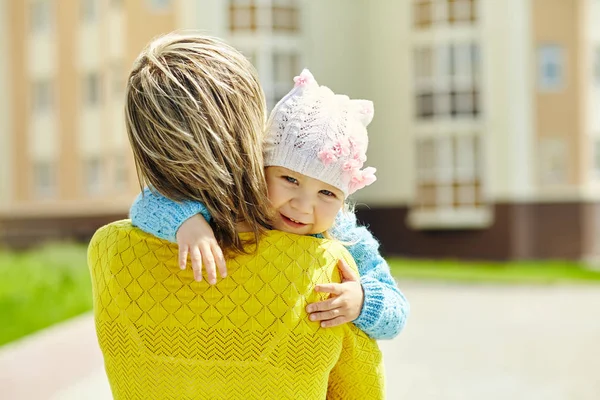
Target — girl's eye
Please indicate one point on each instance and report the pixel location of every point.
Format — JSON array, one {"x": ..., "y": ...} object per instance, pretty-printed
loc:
[
  {"x": 328, "y": 193},
  {"x": 290, "y": 179}
]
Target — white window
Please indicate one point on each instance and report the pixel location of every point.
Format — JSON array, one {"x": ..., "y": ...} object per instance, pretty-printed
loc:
[
  {"x": 44, "y": 179},
  {"x": 121, "y": 172},
  {"x": 552, "y": 161},
  {"x": 550, "y": 67},
  {"x": 93, "y": 175},
  {"x": 159, "y": 5},
  {"x": 447, "y": 81},
  {"x": 285, "y": 67},
  {"x": 42, "y": 96},
  {"x": 276, "y": 15},
  {"x": 596, "y": 157},
  {"x": 91, "y": 89},
  {"x": 597, "y": 66},
  {"x": 89, "y": 10},
  {"x": 429, "y": 13},
  {"x": 242, "y": 15},
  {"x": 449, "y": 180},
  {"x": 40, "y": 15},
  {"x": 118, "y": 79}
]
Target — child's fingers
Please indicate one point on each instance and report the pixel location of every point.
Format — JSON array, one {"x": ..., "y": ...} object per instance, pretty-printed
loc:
[
  {"x": 348, "y": 274},
  {"x": 183, "y": 255},
  {"x": 196, "y": 257},
  {"x": 334, "y": 322},
  {"x": 333, "y": 288},
  {"x": 209, "y": 264},
  {"x": 221, "y": 265},
  {"x": 326, "y": 315},
  {"x": 325, "y": 305}
]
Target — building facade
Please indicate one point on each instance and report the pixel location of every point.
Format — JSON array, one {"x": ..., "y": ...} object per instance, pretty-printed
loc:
[{"x": 485, "y": 137}]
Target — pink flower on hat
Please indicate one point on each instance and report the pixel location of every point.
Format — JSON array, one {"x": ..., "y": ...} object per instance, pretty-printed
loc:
[
  {"x": 361, "y": 179},
  {"x": 341, "y": 149},
  {"x": 327, "y": 156},
  {"x": 351, "y": 165}
]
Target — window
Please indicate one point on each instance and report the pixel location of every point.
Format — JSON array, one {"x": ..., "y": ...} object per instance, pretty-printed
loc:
[
  {"x": 118, "y": 79},
  {"x": 461, "y": 11},
  {"x": 40, "y": 16},
  {"x": 44, "y": 179},
  {"x": 93, "y": 175},
  {"x": 159, "y": 5},
  {"x": 121, "y": 172},
  {"x": 428, "y": 13},
  {"x": 448, "y": 126},
  {"x": 89, "y": 10},
  {"x": 285, "y": 67},
  {"x": 596, "y": 157},
  {"x": 285, "y": 15},
  {"x": 448, "y": 172},
  {"x": 550, "y": 67},
  {"x": 447, "y": 81},
  {"x": 91, "y": 89},
  {"x": 597, "y": 66},
  {"x": 42, "y": 96},
  {"x": 242, "y": 15},
  {"x": 251, "y": 15}
]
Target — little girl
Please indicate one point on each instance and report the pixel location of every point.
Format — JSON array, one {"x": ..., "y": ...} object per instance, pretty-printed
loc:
[{"x": 314, "y": 150}]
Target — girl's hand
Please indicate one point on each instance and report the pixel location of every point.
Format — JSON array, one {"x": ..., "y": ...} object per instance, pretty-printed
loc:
[
  {"x": 345, "y": 301},
  {"x": 196, "y": 237}
]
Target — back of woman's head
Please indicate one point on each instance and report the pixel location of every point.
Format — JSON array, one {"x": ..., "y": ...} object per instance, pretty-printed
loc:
[{"x": 195, "y": 115}]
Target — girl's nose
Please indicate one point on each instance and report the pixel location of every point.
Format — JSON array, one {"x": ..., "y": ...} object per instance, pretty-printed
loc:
[{"x": 302, "y": 203}]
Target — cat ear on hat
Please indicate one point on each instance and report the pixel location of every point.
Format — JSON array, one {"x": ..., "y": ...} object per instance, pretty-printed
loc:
[
  {"x": 305, "y": 79},
  {"x": 365, "y": 111}
]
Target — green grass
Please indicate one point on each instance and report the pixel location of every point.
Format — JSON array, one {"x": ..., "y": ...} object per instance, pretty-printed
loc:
[
  {"x": 41, "y": 287},
  {"x": 524, "y": 272}
]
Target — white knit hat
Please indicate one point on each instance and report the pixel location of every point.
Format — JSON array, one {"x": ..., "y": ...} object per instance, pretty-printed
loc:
[{"x": 318, "y": 133}]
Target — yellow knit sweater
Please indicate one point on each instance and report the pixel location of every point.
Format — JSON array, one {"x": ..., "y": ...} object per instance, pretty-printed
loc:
[{"x": 165, "y": 336}]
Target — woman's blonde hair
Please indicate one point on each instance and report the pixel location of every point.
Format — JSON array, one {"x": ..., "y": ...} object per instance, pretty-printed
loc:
[{"x": 195, "y": 116}]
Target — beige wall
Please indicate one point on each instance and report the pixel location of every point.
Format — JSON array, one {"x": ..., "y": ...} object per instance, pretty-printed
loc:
[
  {"x": 21, "y": 93},
  {"x": 559, "y": 114},
  {"x": 6, "y": 181},
  {"x": 67, "y": 82},
  {"x": 77, "y": 49}
]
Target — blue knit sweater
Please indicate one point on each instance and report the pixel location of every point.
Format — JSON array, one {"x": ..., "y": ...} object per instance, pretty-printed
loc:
[{"x": 385, "y": 308}]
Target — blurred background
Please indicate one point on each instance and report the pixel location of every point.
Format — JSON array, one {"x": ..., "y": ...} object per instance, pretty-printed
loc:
[{"x": 486, "y": 138}]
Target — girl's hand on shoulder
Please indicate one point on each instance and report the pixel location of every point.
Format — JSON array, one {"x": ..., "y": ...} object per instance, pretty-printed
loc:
[
  {"x": 345, "y": 301},
  {"x": 196, "y": 238}
]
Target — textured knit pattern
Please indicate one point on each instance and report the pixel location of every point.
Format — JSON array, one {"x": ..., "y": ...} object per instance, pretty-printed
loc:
[
  {"x": 165, "y": 336},
  {"x": 315, "y": 132},
  {"x": 385, "y": 309},
  {"x": 161, "y": 216}
]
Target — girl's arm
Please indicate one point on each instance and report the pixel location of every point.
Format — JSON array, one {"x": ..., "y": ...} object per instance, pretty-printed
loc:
[
  {"x": 179, "y": 222},
  {"x": 155, "y": 214},
  {"x": 385, "y": 309}
]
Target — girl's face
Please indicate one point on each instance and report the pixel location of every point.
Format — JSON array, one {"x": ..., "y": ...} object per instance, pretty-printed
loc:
[{"x": 304, "y": 205}]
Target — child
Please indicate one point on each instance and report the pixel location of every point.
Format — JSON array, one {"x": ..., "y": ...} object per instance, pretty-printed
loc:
[{"x": 313, "y": 154}]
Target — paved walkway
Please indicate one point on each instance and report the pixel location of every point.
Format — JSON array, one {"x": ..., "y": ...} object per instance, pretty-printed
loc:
[{"x": 463, "y": 342}]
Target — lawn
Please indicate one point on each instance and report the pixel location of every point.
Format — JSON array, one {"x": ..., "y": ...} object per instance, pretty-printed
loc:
[
  {"x": 42, "y": 287},
  {"x": 518, "y": 272}
]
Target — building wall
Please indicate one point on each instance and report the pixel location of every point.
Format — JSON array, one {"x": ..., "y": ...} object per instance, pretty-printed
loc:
[
  {"x": 559, "y": 111},
  {"x": 6, "y": 106}
]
